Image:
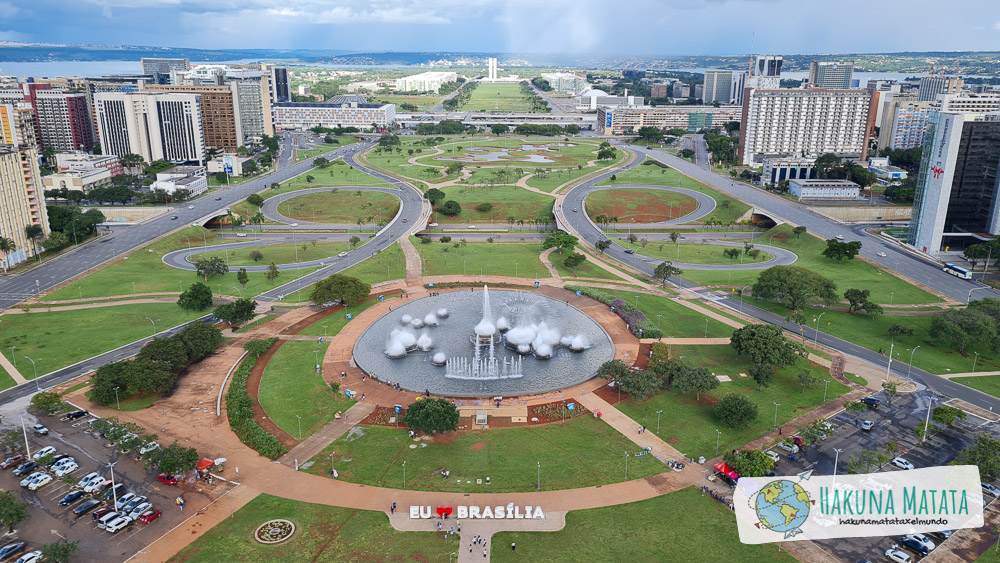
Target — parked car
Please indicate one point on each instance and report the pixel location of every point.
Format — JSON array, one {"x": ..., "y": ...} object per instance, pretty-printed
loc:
[
  {"x": 117, "y": 524},
  {"x": 109, "y": 517},
  {"x": 167, "y": 479},
  {"x": 132, "y": 503},
  {"x": 28, "y": 480},
  {"x": 791, "y": 448},
  {"x": 88, "y": 479},
  {"x": 923, "y": 540},
  {"x": 66, "y": 469},
  {"x": 148, "y": 448},
  {"x": 897, "y": 556},
  {"x": 25, "y": 468},
  {"x": 12, "y": 548},
  {"x": 98, "y": 514},
  {"x": 991, "y": 489},
  {"x": 140, "y": 510},
  {"x": 45, "y": 479},
  {"x": 797, "y": 440},
  {"x": 867, "y": 425},
  {"x": 149, "y": 516},
  {"x": 902, "y": 463},
  {"x": 872, "y": 402},
  {"x": 12, "y": 461},
  {"x": 75, "y": 415},
  {"x": 32, "y": 557},
  {"x": 47, "y": 450},
  {"x": 71, "y": 497},
  {"x": 86, "y": 506},
  {"x": 98, "y": 487},
  {"x": 942, "y": 534},
  {"x": 124, "y": 499},
  {"x": 914, "y": 545},
  {"x": 881, "y": 254},
  {"x": 56, "y": 460},
  {"x": 40, "y": 429},
  {"x": 118, "y": 489},
  {"x": 772, "y": 454}
]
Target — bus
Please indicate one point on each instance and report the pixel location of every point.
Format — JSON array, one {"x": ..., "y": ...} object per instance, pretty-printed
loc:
[{"x": 956, "y": 271}]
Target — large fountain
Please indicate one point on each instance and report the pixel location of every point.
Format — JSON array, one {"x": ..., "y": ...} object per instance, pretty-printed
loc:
[{"x": 454, "y": 343}]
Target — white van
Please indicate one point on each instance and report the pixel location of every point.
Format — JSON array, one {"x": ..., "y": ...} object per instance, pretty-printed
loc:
[
  {"x": 117, "y": 524},
  {"x": 109, "y": 517}
]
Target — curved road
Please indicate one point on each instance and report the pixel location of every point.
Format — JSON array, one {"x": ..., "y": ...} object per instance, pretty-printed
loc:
[{"x": 270, "y": 207}]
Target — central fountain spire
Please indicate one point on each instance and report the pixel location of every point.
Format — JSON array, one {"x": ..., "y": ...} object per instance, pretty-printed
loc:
[{"x": 486, "y": 328}]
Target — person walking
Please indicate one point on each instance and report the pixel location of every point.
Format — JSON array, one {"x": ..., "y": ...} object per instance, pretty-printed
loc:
[
  {"x": 392, "y": 510},
  {"x": 513, "y": 546},
  {"x": 484, "y": 553}
]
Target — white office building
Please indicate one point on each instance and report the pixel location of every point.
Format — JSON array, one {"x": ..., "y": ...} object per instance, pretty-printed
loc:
[
  {"x": 787, "y": 168},
  {"x": 491, "y": 68},
  {"x": 824, "y": 189},
  {"x": 301, "y": 116},
  {"x": 717, "y": 87},
  {"x": 565, "y": 82},
  {"x": 155, "y": 126},
  {"x": 425, "y": 81}
]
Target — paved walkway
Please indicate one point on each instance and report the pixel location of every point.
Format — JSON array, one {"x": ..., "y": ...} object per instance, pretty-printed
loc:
[
  {"x": 10, "y": 369},
  {"x": 630, "y": 428},
  {"x": 327, "y": 435}
]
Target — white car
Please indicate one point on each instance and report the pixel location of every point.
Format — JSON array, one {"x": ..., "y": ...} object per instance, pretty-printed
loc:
[
  {"x": 772, "y": 454},
  {"x": 991, "y": 489},
  {"x": 123, "y": 500},
  {"x": 190, "y": 207},
  {"x": 342, "y": 254},
  {"x": 902, "y": 463},
  {"x": 117, "y": 524},
  {"x": 897, "y": 556},
  {"x": 867, "y": 425},
  {"x": 293, "y": 224},
  {"x": 47, "y": 450},
  {"x": 840, "y": 237},
  {"x": 924, "y": 540},
  {"x": 87, "y": 479},
  {"x": 148, "y": 448},
  {"x": 64, "y": 461},
  {"x": 881, "y": 254},
  {"x": 31, "y": 478},
  {"x": 109, "y": 517},
  {"x": 67, "y": 469},
  {"x": 241, "y": 235},
  {"x": 30, "y": 557},
  {"x": 138, "y": 510},
  {"x": 45, "y": 479},
  {"x": 791, "y": 448}
]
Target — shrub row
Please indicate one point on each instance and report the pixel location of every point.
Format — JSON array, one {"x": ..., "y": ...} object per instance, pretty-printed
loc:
[
  {"x": 636, "y": 320},
  {"x": 239, "y": 405}
]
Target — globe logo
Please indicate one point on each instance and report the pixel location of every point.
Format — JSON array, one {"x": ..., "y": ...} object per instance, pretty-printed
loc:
[{"x": 782, "y": 506}]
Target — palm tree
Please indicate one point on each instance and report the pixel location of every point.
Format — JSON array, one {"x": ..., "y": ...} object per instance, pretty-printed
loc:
[
  {"x": 34, "y": 234},
  {"x": 7, "y": 246},
  {"x": 510, "y": 221},
  {"x": 520, "y": 223}
]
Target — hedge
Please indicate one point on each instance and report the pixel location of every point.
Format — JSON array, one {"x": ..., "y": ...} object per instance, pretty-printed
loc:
[
  {"x": 636, "y": 320},
  {"x": 239, "y": 405}
]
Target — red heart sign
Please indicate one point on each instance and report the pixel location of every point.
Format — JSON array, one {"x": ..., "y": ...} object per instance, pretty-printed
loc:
[{"x": 443, "y": 510}]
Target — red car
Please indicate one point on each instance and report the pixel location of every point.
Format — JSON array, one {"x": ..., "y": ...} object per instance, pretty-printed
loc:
[
  {"x": 149, "y": 516},
  {"x": 167, "y": 479},
  {"x": 12, "y": 461}
]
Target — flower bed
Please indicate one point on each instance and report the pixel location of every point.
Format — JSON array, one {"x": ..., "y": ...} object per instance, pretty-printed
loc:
[{"x": 274, "y": 531}]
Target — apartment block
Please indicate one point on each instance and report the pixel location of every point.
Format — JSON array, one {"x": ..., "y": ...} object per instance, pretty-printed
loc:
[
  {"x": 154, "y": 125},
  {"x": 625, "y": 120},
  {"x": 21, "y": 202},
  {"x": 64, "y": 120}
]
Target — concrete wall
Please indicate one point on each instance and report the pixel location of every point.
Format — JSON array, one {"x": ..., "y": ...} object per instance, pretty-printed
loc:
[{"x": 865, "y": 213}]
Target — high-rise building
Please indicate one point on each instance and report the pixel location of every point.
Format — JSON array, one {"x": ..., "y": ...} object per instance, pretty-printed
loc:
[
  {"x": 279, "y": 84},
  {"x": 969, "y": 102},
  {"x": 659, "y": 91},
  {"x": 931, "y": 86},
  {"x": 17, "y": 125},
  {"x": 956, "y": 202},
  {"x": 491, "y": 68},
  {"x": 833, "y": 75},
  {"x": 21, "y": 202},
  {"x": 253, "y": 104},
  {"x": 155, "y": 126},
  {"x": 565, "y": 82},
  {"x": 718, "y": 87},
  {"x": 909, "y": 123},
  {"x": 739, "y": 85},
  {"x": 808, "y": 123},
  {"x": 425, "y": 81},
  {"x": 152, "y": 65},
  {"x": 64, "y": 120},
  {"x": 766, "y": 73},
  {"x": 219, "y": 114}
]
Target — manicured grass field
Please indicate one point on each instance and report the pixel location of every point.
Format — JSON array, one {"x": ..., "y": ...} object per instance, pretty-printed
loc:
[
  {"x": 277, "y": 253},
  {"x": 146, "y": 268},
  {"x": 6, "y": 381},
  {"x": 290, "y": 386},
  {"x": 498, "y": 259},
  {"x": 390, "y": 264},
  {"x": 508, "y": 201},
  {"x": 639, "y": 205},
  {"x": 580, "y": 453},
  {"x": 520, "y": 152},
  {"x": 856, "y": 273},
  {"x": 676, "y": 320},
  {"x": 727, "y": 209},
  {"x": 689, "y": 425},
  {"x": 690, "y": 253},
  {"x": 423, "y": 103},
  {"x": 497, "y": 97},
  {"x": 323, "y": 533},
  {"x": 61, "y": 338},
  {"x": 335, "y": 322},
  {"x": 301, "y": 154},
  {"x": 680, "y": 526},
  {"x": 342, "y": 207},
  {"x": 586, "y": 270},
  {"x": 986, "y": 383}
]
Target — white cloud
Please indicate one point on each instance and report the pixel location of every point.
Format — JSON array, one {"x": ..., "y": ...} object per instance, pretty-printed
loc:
[
  {"x": 10, "y": 35},
  {"x": 996, "y": 25}
]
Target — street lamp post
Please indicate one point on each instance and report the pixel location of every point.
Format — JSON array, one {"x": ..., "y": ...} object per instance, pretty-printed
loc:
[
  {"x": 658, "y": 421},
  {"x": 742, "y": 289},
  {"x": 114, "y": 491},
  {"x": 658, "y": 322},
  {"x": 706, "y": 328},
  {"x": 404, "y": 475},
  {"x": 300, "y": 426},
  {"x": 539, "y": 487},
  {"x": 825, "y": 387},
  {"x": 718, "y": 436},
  {"x": 238, "y": 289},
  {"x": 13, "y": 358},
  {"x": 626, "y": 465},
  {"x": 316, "y": 353},
  {"x": 910, "y": 365},
  {"x": 35, "y": 370},
  {"x": 836, "y": 458},
  {"x": 27, "y": 450},
  {"x": 117, "y": 402},
  {"x": 776, "y": 405},
  {"x": 927, "y": 420},
  {"x": 324, "y": 331},
  {"x": 154, "y": 322},
  {"x": 816, "y": 330},
  {"x": 974, "y": 362}
]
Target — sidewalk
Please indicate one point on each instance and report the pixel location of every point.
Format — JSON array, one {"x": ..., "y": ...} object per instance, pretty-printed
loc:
[
  {"x": 327, "y": 435},
  {"x": 630, "y": 428},
  {"x": 10, "y": 369}
]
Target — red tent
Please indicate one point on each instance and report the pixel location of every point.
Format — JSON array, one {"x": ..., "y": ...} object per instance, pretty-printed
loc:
[
  {"x": 726, "y": 470},
  {"x": 204, "y": 464}
]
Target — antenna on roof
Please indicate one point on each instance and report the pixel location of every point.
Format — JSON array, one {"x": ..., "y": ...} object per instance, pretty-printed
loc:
[{"x": 753, "y": 32}]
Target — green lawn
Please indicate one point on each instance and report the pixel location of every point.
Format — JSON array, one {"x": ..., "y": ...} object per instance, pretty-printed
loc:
[
  {"x": 278, "y": 253},
  {"x": 255, "y": 324},
  {"x": 290, "y": 386},
  {"x": 342, "y": 206},
  {"x": 586, "y": 270},
  {"x": 423, "y": 103},
  {"x": 6, "y": 381},
  {"x": 390, "y": 264},
  {"x": 146, "y": 268},
  {"x": 727, "y": 209},
  {"x": 989, "y": 384},
  {"x": 508, "y": 201},
  {"x": 61, "y": 338},
  {"x": 691, "y": 253},
  {"x": 479, "y": 258},
  {"x": 857, "y": 273},
  {"x": 583, "y": 452},
  {"x": 497, "y": 97},
  {"x": 689, "y": 425},
  {"x": 677, "y": 320},
  {"x": 639, "y": 205},
  {"x": 335, "y": 322},
  {"x": 325, "y": 147},
  {"x": 323, "y": 533},
  {"x": 680, "y": 526}
]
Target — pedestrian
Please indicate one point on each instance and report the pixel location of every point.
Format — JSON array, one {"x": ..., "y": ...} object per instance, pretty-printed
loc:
[
  {"x": 513, "y": 547},
  {"x": 439, "y": 525},
  {"x": 459, "y": 524},
  {"x": 780, "y": 430},
  {"x": 484, "y": 553},
  {"x": 392, "y": 510},
  {"x": 470, "y": 548}
]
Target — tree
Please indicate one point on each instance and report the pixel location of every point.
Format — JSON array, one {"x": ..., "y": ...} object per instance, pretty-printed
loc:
[
  {"x": 947, "y": 415},
  {"x": 12, "y": 512},
  {"x": 256, "y": 255},
  {"x": 736, "y": 411},
  {"x": 808, "y": 379},
  {"x": 242, "y": 277},
  {"x": 985, "y": 455},
  {"x": 310, "y": 178},
  {"x": 799, "y": 230},
  {"x": 855, "y": 408},
  {"x": 211, "y": 267},
  {"x": 763, "y": 374},
  {"x": 574, "y": 260},
  {"x": 836, "y": 250},
  {"x": 664, "y": 271},
  {"x": 451, "y": 208},
  {"x": 962, "y": 327},
  {"x": 976, "y": 252},
  {"x": 499, "y": 129},
  {"x": 173, "y": 459},
  {"x": 168, "y": 352},
  {"x": 47, "y": 401},
  {"x": 749, "y": 463},
  {"x": 434, "y": 195},
  {"x": 272, "y": 273},
  {"x": 321, "y": 162},
  {"x": 890, "y": 388},
  {"x": 687, "y": 379},
  {"x": 59, "y": 552},
  {"x": 485, "y": 207},
  {"x": 560, "y": 240},
  {"x": 766, "y": 345},
  {"x": 340, "y": 288},
  {"x": 197, "y": 297},
  {"x": 650, "y": 133},
  {"x": 899, "y": 331},
  {"x": 255, "y": 199},
  {"x": 793, "y": 286},
  {"x": 237, "y": 312},
  {"x": 674, "y": 235},
  {"x": 34, "y": 233},
  {"x": 432, "y": 415},
  {"x": 56, "y": 241},
  {"x": 200, "y": 339},
  {"x": 603, "y": 245},
  {"x": 856, "y": 298}
]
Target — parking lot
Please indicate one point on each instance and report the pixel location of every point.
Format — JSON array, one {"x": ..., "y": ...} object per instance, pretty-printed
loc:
[
  {"x": 48, "y": 521},
  {"x": 893, "y": 423}
]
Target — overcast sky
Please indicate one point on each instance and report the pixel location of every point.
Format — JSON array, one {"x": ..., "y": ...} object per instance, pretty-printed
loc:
[{"x": 668, "y": 27}]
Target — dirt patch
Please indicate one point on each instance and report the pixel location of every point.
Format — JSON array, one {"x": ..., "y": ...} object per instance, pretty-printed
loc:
[
  {"x": 446, "y": 438},
  {"x": 640, "y": 205},
  {"x": 478, "y": 446},
  {"x": 253, "y": 389}
]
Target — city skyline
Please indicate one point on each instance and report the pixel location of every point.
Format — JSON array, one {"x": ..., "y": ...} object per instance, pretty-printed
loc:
[{"x": 584, "y": 27}]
